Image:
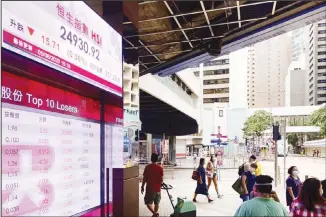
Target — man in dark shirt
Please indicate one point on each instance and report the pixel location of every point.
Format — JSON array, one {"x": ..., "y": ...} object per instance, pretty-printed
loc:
[{"x": 153, "y": 177}]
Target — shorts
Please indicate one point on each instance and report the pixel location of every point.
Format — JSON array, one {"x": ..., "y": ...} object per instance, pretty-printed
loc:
[{"x": 152, "y": 197}]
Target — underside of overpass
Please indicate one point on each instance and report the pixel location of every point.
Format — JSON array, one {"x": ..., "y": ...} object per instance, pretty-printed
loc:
[{"x": 159, "y": 34}]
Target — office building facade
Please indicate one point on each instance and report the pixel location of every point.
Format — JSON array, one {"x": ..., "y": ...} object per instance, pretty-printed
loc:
[
  {"x": 216, "y": 79},
  {"x": 267, "y": 66},
  {"x": 317, "y": 63}
]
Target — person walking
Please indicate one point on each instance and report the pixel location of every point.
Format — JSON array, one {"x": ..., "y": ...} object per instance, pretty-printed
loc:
[
  {"x": 293, "y": 185},
  {"x": 309, "y": 202},
  {"x": 248, "y": 181},
  {"x": 253, "y": 159},
  {"x": 153, "y": 178},
  {"x": 265, "y": 202},
  {"x": 212, "y": 175},
  {"x": 201, "y": 183}
]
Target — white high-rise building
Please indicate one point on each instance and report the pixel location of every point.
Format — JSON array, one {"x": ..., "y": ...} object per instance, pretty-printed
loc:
[
  {"x": 300, "y": 43},
  {"x": 317, "y": 63},
  {"x": 215, "y": 80},
  {"x": 268, "y": 63},
  {"x": 296, "y": 84}
]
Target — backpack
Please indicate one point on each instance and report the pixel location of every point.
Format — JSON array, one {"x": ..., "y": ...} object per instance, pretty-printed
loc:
[{"x": 241, "y": 169}]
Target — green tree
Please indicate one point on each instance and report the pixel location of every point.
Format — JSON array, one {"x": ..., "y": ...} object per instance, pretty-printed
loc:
[
  {"x": 318, "y": 118},
  {"x": 257, "y": 123},
  {"x": 293, "y": 139}
]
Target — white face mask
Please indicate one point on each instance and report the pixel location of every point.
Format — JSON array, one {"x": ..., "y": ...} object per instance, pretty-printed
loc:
[{"x": 295, "y": 172}]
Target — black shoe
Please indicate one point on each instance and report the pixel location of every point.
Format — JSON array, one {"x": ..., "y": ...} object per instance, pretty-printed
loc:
[
  {"x": 210, "y": 200},
  {"x": 193, "y": 200}
]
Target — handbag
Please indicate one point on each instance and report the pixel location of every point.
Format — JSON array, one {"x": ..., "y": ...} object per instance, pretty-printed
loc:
[
  {"x": 195, "y": 175},
  {"x": 237, "y": 186}
]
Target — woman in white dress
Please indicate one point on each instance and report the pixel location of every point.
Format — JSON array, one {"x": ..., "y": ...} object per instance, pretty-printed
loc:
[{"x": 212, "y": 175}]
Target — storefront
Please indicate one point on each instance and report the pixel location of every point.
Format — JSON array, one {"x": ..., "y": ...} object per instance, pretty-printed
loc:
[
  {"x": 62, "y": 116},
  {"x": 311, "y": 148}
]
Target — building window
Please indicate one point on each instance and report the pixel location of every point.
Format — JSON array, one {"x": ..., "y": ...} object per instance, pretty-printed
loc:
[
  {"x": 321, "y": 95},
  {"x": 322, "y": 60},
  {"x": 322, "y": 53},
  {"x": 321, "y": 31},
  {"x": 321, "y": 81},
  {"x": 321, "y": 45},
  {"x": 321, "y": 88},
  {"x": 321, "y": 67},
  {"x": 220, "y": 113},
  {"x": 322, "y": 39},
  {"x": 321, "y": 24},
  {"x": 321, "y": 74}
]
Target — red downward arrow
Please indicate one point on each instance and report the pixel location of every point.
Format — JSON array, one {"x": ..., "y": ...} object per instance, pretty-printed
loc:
[{"x": 31, "y": 31}]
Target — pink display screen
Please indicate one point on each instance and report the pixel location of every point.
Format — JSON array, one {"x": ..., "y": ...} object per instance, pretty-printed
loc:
[{"x": 50, "y": 150}]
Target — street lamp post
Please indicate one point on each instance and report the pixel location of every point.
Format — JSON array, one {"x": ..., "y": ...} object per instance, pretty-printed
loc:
[
  {"x": 276, "y": 154},
  {"x": 285, "y": 152}
]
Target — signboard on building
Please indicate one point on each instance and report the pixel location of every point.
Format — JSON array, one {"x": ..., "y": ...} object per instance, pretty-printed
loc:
[{"x": 67, "y": 36}]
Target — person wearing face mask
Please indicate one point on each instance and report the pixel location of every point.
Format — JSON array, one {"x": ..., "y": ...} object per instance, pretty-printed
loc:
[
  {"x": 309, "y": 202},
  {"x": 248, "y": 181},
  {"x": 265, "y": 202},
  {"x": 293, "y": 185}
]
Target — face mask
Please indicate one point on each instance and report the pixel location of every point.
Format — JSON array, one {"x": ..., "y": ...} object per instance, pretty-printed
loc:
[{"x": 295, "y": 172}]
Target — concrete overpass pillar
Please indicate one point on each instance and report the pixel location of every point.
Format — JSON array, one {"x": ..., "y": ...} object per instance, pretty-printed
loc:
[
  {"x": 149, "y": 146},
  {"x": 172, "y": 149}
]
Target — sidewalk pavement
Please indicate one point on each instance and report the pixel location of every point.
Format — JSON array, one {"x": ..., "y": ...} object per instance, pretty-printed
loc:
[{"x": 184, "y": 186}]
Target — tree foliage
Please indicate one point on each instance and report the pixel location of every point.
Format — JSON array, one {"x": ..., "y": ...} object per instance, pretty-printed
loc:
[
  {"x": 257, "y": 123},
  {"x": 318, "y": 118},
  {"x": 293, "y": 139}
]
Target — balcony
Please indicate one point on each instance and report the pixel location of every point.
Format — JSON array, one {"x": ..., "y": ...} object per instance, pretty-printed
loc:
[
  {"x": 216, "y": 95},
  {"x": 213, "y": 77},
  {"x": 216, "y": 86}
]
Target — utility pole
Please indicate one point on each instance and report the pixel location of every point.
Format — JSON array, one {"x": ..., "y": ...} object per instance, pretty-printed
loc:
[
  {"x": 275, "y": 138},
  {"x": 275, "y": 164},
  {"x": 285, "y": 153}
]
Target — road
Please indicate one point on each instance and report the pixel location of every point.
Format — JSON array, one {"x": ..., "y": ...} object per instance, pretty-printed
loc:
[{"x": 184, "y": 186}]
